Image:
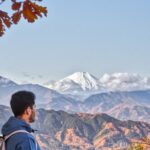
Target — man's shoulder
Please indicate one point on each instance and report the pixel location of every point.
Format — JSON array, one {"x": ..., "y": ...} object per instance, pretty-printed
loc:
[
  {"x": 23, "y": 141},
  {"x": 23, "y": 136}
]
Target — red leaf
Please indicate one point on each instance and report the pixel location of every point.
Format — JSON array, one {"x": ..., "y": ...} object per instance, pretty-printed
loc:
[
  {"x": 1, "y": 28},
  {"x": 5, "y": 19},
  {"x": 28, "y": 12},
  {"x": 16, "y": 17},
  {"x": 16, "y": 5},
  {"x": 31, "y": 11}
]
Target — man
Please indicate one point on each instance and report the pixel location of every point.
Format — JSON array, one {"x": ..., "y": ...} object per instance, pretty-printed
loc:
[{"x": 23, "y": 107}]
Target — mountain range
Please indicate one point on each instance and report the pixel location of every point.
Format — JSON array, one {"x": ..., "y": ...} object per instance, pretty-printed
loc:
[
  {"x": 58, "y": 130},
  {"x": 89, "y": 96}
]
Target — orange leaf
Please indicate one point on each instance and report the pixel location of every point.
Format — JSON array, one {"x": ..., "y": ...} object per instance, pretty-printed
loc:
[
  {"x": 7, "y": 22},
  {"x": 16, "y": 5},
  {"x": 3, "y": 14},
  {"x": 39, "y": 8},
  {"x": 16, "y": 17},
  {"x": 5, "y": 19},
  {"x": 28, "y": 12},
  {"x": 1, "y": 28}
]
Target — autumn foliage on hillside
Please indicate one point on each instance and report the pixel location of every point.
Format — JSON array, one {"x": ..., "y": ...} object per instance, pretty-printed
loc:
[
  {"x": 144, "y": 144},
  {"x": 27, "y": 9}
]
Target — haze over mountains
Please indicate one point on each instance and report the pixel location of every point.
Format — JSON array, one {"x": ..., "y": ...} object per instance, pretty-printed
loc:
[{"x": 121, "y": 95}]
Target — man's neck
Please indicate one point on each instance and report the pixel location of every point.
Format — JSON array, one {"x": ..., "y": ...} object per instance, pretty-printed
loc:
[{"x": 24, "y": 119}]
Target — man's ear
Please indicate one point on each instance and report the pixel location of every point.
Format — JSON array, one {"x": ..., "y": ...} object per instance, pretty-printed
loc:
[{"x": 28, "y": 111}]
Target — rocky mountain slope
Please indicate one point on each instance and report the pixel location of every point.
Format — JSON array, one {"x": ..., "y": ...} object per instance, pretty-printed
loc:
[{"x": 58, "y": 130}]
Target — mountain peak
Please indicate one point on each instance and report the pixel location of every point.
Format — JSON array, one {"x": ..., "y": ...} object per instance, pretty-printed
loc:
[
  {"x": 84, "y": 79},
  {"x": 77, "y": 82},
  {"x": 82, "y": 76}
]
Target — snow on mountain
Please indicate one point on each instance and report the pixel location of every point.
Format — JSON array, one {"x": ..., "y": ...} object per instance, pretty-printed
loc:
[
  {"x": 124, "y": 82},
  {"x": 81, "y": 85},
  {"x": 85, "y": 80},
  {"x": 79, "y": 81}
]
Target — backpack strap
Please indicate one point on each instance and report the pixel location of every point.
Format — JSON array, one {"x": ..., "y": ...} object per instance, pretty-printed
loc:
[{"x": 19, "y": 131}]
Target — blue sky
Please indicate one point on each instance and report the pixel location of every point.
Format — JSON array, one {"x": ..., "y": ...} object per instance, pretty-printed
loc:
[{"x": 97, "y": 36}]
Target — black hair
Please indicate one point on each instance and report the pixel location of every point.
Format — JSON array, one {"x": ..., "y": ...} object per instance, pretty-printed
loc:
[{"x": 20, "y": 101}]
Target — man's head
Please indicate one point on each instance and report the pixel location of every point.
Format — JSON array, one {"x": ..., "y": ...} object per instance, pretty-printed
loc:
[{"x": 23, "y": 105}]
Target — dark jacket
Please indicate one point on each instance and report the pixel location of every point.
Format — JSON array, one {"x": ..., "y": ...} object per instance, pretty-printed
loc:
[{"x": 19, "y": 141}]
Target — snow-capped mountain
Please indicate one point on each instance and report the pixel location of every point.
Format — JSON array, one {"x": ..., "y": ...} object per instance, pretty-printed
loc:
[
  {"x": 77, "y": 82},
  {"x": 83, "y": 82},
  {"x": 124, "y": 82}
]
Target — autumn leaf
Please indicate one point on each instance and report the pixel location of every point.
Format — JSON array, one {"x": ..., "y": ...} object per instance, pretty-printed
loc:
[
  {"x": 39, "y": 9},
  {"x": 31, "y": 11},
  {"x": 28, "y": 12},
  {"x": 1, "y": 28},
  {"x": 16, "y": 5},
  {"x": 5, "y": 18},
  {"x": 26, "y": 8},
  {"x": 5, "y": 21},
  {"x": 16, "y": 17}
]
